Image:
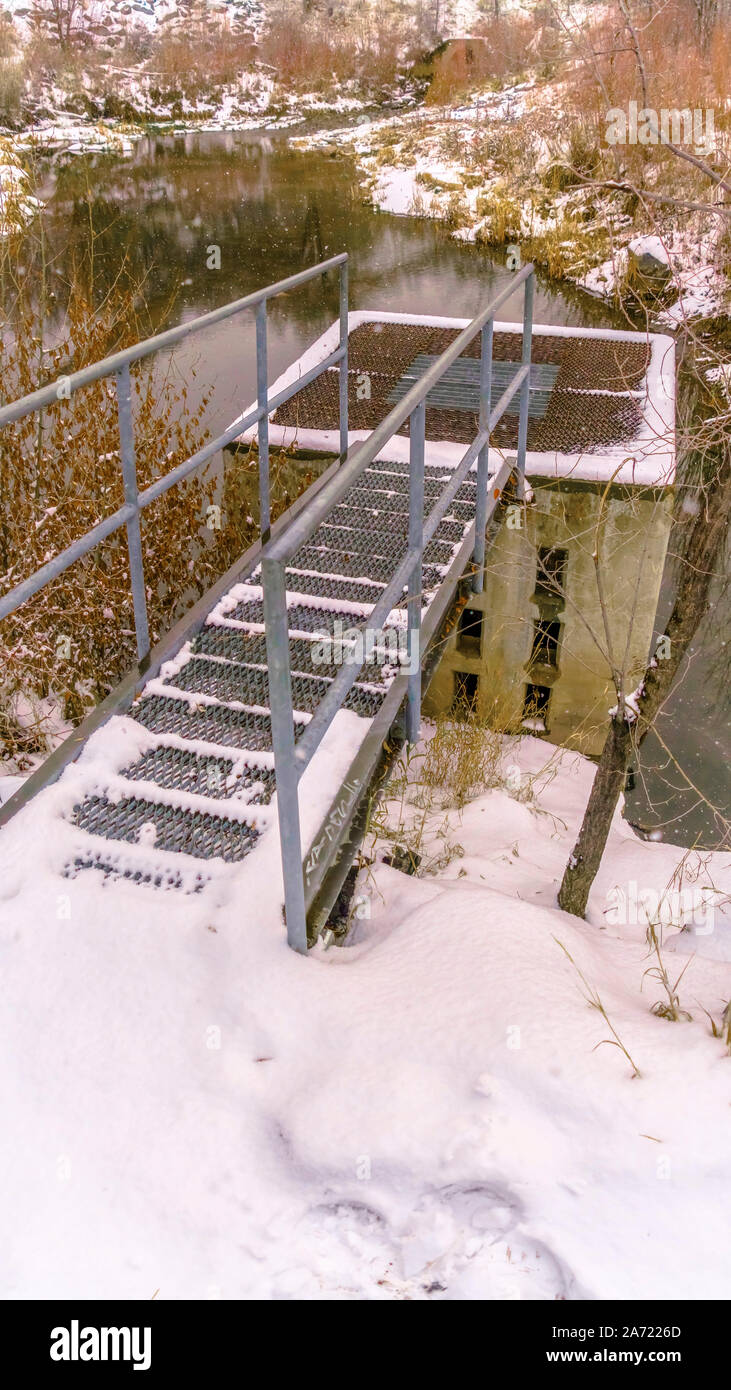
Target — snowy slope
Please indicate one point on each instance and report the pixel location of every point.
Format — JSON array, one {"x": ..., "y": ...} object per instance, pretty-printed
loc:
[
  {"x": 151, "y": 14},
  {"x": 190, "y": 1107},
  {"x": 458, "y": 16}
]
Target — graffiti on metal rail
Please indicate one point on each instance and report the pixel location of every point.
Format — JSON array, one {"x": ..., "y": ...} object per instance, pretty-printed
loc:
[{"x": 333, "y": 825}]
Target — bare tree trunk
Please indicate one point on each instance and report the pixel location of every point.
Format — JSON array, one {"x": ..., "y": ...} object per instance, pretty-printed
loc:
[{"x": 704, "y": 549}]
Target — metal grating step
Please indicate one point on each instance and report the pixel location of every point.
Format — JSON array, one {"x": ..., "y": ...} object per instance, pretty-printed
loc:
[
  {"x": 432, "y": 471},
  {"x": 250, "y": 685},
  {"x": 383, "y": 545},
  {"x": 301, "y": 618},
  {"x": 324, "y": 560},
  {"x": 379, "y": 522},
  {"x": 340, "y": 562},
  {"x": 251, "y": 647},
  {"x": 466, "y": 492},
  {"x": 344, "y": 590},
  {"x": 229, "y": 728},
  {"x": 463, "y": 510},
  {"x": 162, "y": 877},
  {"x": 175, "y": 829},
  {"x": 459, "y": 388},
  {"x": 204, "y": 776}
]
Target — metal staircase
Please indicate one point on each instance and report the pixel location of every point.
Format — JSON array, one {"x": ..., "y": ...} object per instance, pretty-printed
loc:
[{"x": 233, "y": 705}]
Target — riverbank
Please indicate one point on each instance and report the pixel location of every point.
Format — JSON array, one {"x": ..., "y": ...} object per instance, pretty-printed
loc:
[
  {"x": 500, "y": 171},
  {"x": 497, "y": 171},
  {"x": 64, "y": 135},
  {"x": 87, "y": 82}
]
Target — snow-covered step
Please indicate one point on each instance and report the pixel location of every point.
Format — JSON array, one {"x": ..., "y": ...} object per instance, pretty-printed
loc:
[
  {"x": 306, "y": 657},
  {"x": 304, "y": 617},
  {"x": 208, "y": 723},
  {"x": 341, "y": 564},
  {"x": 386, "y": 545},
  {"x": 165, "y": 827},
  {"x": 171, "y": 766},
  {"x": 249, "y": 685},
  {"x": 326, "y": 585},
  {"x": 382, "y": 523},
  {"x": 463, "y": 509},
  {"x": 202, "y": 789}
]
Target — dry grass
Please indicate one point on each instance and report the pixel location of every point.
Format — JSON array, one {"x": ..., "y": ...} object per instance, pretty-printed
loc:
[
  {"x": 60, "y": 474},
  {"x": 502, "y": 49},
  {"x": 316, "y": 53},
  {"x": 594, "y": 1001},
  {"x": 463, "y": 759},
  {"x": 13, "y": 74},
  {"x": 196, "y": 63}
]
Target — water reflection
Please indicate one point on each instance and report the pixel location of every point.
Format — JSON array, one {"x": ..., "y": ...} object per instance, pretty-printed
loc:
[{"x": 271, "y": 210}]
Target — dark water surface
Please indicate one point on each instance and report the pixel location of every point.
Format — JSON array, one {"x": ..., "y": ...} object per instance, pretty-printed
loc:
[{"x": 272, "y": 210}]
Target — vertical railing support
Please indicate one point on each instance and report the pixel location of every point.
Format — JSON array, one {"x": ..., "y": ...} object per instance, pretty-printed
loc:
[
  {"x": 483, "y": 458},
  {"x": 134, "y": 533},
  {"x": 417, "y": 431},
  {"x": 344, "y": 361},
  {"x": 262, "y": 399},
  {"x": 280, "y": 705},
  {"x": 525, "y": 388}
]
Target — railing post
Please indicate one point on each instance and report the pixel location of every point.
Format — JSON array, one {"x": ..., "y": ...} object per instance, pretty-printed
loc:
[
  {"x": 134, "y": 533},
  {"x": 262, "y": 399},
  {"x": 483, "y": 458},
  {"x": 280, "y": 706},
  {"x": 525, "y": 388},
  {"x": 344, "y": 361},
  {"x": 417, "y": 430}
]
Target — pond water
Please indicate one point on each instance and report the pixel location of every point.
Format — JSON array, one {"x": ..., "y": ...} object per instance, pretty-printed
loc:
[{"x": 272, "y": 210}]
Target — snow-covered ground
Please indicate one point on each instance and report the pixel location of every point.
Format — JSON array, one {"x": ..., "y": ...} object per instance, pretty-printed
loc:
[
  {"x": 117, "y": 16},
  {"x": 54, "y": 119},
  {"x": 190, "y": 1107}
]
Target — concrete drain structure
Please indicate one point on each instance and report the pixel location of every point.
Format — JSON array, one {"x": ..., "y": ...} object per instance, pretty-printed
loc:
[{"x": 600, "y": 452}]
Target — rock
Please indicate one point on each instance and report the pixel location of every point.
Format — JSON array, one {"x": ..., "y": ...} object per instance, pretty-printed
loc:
[
  {"x": 405, "y": 860},
  {"x": 648, "y": 274}
]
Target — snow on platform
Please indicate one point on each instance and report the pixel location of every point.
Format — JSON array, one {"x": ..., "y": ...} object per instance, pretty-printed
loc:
[{"x": 610, "y": 411}]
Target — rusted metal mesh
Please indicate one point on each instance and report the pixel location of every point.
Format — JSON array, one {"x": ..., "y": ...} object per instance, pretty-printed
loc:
[{"x": 579, "y": 416}]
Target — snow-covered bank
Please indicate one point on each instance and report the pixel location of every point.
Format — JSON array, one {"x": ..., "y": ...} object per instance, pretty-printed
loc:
[
  {"x": 109, "y": 80},
  {"x": 190, "y": 1107},
  {"x": 17, "y": 204},
  {"x": 498, "y": 169}
]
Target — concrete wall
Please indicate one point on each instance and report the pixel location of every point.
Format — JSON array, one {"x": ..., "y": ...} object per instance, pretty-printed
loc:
[{"x": 565, "y": 516}]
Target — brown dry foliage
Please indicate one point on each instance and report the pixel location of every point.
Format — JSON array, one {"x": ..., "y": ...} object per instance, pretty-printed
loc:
[
  {"x": 679, "y": 71},
  {"x": 502, "y": 49},
  {"x": 312, "y": 52},
  {"x": 199, "y": 60},
  {"x": 60, "y": 474}
]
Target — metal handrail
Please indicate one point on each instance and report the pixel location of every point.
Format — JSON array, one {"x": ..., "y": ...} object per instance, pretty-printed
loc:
[
  {"x": 118, "y": 365},
  {"x": 291, "y": 760}
]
